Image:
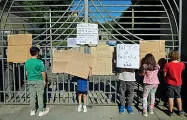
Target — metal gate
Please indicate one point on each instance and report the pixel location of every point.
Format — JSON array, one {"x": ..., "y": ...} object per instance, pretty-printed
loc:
[{"x": 52, "y": 22}]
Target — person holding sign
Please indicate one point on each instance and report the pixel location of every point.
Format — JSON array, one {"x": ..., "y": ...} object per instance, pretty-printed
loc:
[
  {"x": 82, "y": 90},
  {"x": 151, "y": 81},
  {"x": 127, "y": 82},
  {"x": 36, "y": 79},
  {"x": 173, "y": 76}
]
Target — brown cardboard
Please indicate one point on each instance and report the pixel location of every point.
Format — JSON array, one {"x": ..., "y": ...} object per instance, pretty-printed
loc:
[
  {"x": 18, "y": 54},
  {"x": 19, "y": 39},
  {"x": 102, "y": 66},
  {"x": 19, "y": 47},
  {"x": 102, "y": 63},
  {"x": 81, "y": 49},
  {"x": 102, "y": 51},
  {"x": 59, "y": 66},
  {"x": 155, "y": 47},
  {"x": 152, "y": 46},
  {"x": 72, "y": 62}
]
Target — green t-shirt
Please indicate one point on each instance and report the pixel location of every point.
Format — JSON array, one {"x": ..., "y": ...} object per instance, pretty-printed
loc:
[{"x": 34, "y": 68}]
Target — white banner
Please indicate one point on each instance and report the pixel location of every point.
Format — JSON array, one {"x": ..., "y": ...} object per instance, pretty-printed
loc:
[
  {"x": 72, "y": 42},
  {"x": 88, "y": 33},
  {"x": 128, "y": 56}
]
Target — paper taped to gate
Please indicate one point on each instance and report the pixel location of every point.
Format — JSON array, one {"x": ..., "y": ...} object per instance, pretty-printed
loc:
[
  {"x": 103, "y": 60},
  {"x": 155, "y": 47},
  {"x": 72, "y": 62},
  {"x": 128, "y": 56},
  {"x": 18, "y": 48}
]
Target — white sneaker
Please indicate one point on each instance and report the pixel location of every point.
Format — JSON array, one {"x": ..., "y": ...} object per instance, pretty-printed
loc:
[
  {"x": 33, "y": 112},
  {"x": 42, "y": 113},
  {"x": 151, "y": 112},
  {"x": 145, "y": 114},
  {"x": 84, "y": 108},
  {"x": 79, "y": 108}
]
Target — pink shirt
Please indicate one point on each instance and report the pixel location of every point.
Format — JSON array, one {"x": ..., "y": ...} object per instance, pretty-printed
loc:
[{"x": 151, "y": 77}]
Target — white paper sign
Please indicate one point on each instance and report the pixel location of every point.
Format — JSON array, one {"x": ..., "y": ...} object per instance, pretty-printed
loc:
[
  {"x": 89, "y": 33},
  {"x": 72, "y": 42},
  {"x": 128, "y": 56}
]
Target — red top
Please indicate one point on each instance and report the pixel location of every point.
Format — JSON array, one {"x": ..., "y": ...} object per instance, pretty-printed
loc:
[{"x": 174, "y": 73}]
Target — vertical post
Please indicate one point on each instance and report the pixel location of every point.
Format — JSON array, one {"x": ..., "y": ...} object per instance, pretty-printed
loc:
[
  {"x": 46, "y": 32},
  {"x": 86, "y": 47},
  {"x": 180, "y": 26},
  {"x": 51, "y": 52},
  {"x": 50, "y": 29},
  {"x": 132, "y": 22},
  {"x": 133, "y": 18},
  {"x": 86, "y": 11}
]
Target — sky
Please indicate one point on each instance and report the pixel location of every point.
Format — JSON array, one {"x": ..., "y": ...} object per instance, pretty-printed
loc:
[{"x": 110, "y": 8}]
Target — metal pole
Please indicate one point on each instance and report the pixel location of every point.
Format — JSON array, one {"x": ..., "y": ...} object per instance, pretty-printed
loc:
[
  {"x": 86, "y": 11},
  {"x": 86, "y": 48},
  {"x": 51, "y": 52},
  {"x": 180, "y": 26},
  {"x": 50, "y": 29},
  {"x": 46, "y": 32},
  {"x": 132, "y": 22}
]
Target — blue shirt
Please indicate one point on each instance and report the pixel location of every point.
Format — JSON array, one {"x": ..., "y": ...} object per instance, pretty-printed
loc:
[{"x": 82, "y": 85}]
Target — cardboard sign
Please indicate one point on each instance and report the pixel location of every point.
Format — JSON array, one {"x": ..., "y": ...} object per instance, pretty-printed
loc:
[
  {"x": 102, "y": 66},
  {"x": 102, "y": 51},
  {"x": 19, "y": 48},
  {"x": 155, "y": 47},
  {"x": 128, "y": 56},
  {"x": 102, "y": 63},
  {"x": 72, "y": 42},
  {"x": 88, "y": 33},
  {"x": 72, "y": 62}
]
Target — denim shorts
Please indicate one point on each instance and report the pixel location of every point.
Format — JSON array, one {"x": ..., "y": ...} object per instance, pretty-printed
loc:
[
  {"x": 173, "y": 91},
  {"x": 82, "y": 92}
]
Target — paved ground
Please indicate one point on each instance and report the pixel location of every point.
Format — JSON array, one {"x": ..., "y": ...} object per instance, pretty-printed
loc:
[{"x": 70, "y": 113}]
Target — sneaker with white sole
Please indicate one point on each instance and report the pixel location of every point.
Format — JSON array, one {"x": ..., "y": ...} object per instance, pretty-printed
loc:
[
  {"x": 79, "y": 108},
  {"x": 151, "y": 112},
  {"x": 42, "y": 113},
  {"x": 84, "y": 108},
  {"x": 145, "y": 114},
  {"x": 33, "y": 112}
]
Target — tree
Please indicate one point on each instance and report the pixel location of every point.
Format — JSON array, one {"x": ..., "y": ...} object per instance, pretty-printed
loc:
[{"x": 47, "y": 8}]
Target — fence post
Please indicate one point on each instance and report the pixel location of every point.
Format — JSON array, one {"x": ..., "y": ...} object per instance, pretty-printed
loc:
[
  {"x": 180, "y": 25},
  {"x": 86, "y": 47}
]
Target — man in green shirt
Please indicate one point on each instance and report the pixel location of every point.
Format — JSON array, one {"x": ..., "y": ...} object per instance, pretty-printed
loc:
[{"x": 36, "y": 78}]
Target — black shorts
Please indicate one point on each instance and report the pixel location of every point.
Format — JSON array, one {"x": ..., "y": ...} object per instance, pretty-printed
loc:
[
  {"x": 82, "y": 92},
  {"x": 173, "y": 91}
]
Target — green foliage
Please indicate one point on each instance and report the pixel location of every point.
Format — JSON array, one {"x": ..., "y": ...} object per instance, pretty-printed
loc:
[
  {"x": 65, "y": 22},
  {"x": 63, "y": 43}
]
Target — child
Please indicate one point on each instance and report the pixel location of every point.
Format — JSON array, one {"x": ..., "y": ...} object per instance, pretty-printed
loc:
[
  {"x": 127, "y": 81},
  {"x": 173, "y": 76},
  {"x": 82, "y": 90},
  {"x": 36, "y": 77},
  {"x": 151, "y": 81}
]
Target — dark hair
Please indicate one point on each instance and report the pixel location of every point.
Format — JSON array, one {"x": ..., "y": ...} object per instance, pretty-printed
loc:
[
  {"x": 174, "y": 55},
  {"x": 150, "y": 62},
  {"x": 34, "y": 51}
]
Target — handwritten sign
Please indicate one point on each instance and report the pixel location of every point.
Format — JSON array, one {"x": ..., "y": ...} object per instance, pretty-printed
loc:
[
  {"x": 102, "y": 66},
  {"x": 102, "y": 62},
  {"x": 89, "y": 33},
  {"x": 128, "y": 56}
]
